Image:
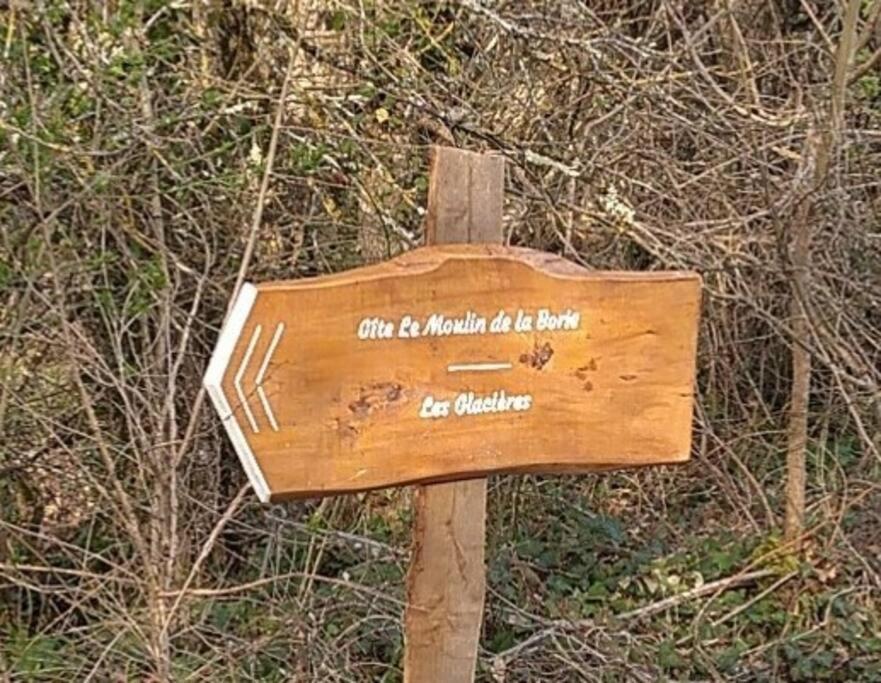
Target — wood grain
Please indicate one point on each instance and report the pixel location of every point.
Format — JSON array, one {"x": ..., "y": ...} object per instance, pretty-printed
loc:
[
  {"x": 465, "y": 197},
  {"x": 446, "y": 584},
  {"x": 617, "y": 392}
]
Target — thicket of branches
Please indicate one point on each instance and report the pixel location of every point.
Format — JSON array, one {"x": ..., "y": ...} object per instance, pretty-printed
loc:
[{"x": 155, "y": 154}]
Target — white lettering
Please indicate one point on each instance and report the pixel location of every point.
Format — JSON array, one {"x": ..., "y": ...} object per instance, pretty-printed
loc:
[
  {"x": 375, "y": 328},
  {"x": 409, "y": 328},
  {"x": 432, "y": 408},
  {"x": 467, "y": 403},
  {"x": 523, "y": 323},
  {"x": 551, "y": 322},
  {"x": 439, "y": 325},
  {"x": 470, "y": 323},
  {"x": 501, "y": 323}
]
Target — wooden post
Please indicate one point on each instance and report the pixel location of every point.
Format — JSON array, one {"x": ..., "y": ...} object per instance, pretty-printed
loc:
[{"x": 447, "y": 578}]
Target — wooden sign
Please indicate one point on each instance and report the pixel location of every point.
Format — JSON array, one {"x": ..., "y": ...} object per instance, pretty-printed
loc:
[{"x": 453, "y": 362}]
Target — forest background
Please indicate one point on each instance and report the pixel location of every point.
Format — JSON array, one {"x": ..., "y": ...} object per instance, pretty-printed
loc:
[{"x": 155, "y": 153}]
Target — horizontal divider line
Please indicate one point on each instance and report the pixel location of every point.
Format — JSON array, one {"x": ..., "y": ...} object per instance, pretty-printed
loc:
[{"x": 478, "y": 367}]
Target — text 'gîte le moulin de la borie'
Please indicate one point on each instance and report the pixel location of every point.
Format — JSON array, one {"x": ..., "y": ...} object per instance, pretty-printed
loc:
[{"x": 375, "y": 328}]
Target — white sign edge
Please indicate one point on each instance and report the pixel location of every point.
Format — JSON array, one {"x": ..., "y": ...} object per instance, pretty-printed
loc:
[{"x": 213, "y": 383}]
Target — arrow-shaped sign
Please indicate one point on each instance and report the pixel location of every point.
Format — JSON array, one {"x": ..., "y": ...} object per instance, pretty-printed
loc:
[{"x": 450, "y": 362}]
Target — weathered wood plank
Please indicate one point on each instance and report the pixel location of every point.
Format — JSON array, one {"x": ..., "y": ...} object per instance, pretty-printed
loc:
[
  {"x": 334, "y": 391},
  {"x": 446, "y": 585},
  {"x": 465, "y": 197}
]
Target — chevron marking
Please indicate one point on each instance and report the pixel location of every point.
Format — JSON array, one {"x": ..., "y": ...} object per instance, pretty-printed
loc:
[
  {"x": 264, "y": 399},
  {"x": 237, "y": 382}
]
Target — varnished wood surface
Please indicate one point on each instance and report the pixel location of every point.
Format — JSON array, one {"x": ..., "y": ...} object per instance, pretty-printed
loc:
[{"x": 617, "y": 392}]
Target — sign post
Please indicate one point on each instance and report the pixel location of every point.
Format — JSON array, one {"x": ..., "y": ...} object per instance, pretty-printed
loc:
[
  {"x": 446, "y": 364},
  {"x": 446, "y": 584}
]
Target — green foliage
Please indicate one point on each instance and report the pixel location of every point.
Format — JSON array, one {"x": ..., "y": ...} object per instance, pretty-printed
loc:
[
  {"x": 34, "y": 657},
  {"x": 306, "y": 158},
  {"x": 336, "y": 21},
  {"x": 870, "y": 86},
  {"x": 6, "y": 274}
]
